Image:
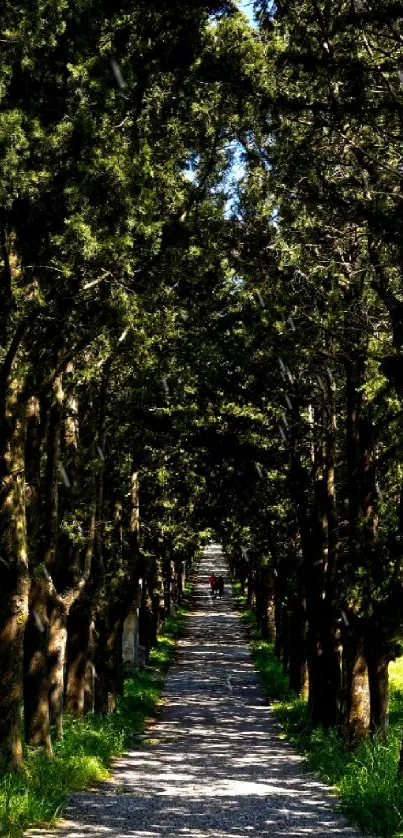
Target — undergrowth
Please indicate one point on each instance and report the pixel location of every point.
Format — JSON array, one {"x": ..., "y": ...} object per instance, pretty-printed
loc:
[
  {"x": 370, "y": 794},
  {"x": 82, "y": 759}
]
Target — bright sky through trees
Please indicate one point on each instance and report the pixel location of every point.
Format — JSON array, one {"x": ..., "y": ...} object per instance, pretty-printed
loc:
[{"x": 246, "y": 7}]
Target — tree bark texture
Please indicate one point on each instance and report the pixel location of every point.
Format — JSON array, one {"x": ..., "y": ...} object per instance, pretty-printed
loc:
[
  {"x": 51, "y": 487},
  {"x": 279, "y": 613},
  {"x": 69, "y": 641},
  {"x": 378, "y": 663},
  {"x": 36, "y": 680},
  {"x": 298, "y": 664},
  {"x": 79, "y": 638},
  {"x": 356, "y": 701},
  {"x": 265, "y": 605},
  {"x": 37, "y": 685},
  {"x": 58, "y": 615},
  {"x": 14, "y": 576},
  {"x": 109, "y": 663}
]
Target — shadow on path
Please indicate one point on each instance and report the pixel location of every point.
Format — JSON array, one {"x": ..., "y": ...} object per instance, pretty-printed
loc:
[{"x": 215, "y": 766}]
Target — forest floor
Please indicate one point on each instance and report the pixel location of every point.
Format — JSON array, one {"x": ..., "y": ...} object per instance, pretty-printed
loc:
[{"x": 214, "y": 765}]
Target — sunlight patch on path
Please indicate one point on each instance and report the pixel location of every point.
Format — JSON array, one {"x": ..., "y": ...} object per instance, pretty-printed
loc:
[{"x": 214, "y": 766}]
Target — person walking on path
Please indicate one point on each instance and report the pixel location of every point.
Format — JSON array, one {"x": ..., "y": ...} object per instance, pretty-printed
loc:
[
  {"x": 220, "y": 586},
  {"x": 213, "y": 765},
  {"x": 213, "y": 585}
]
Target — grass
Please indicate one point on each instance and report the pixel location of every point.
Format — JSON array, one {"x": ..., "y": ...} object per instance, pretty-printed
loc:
[
  {"x": 82, "y": 759},
  {"x": 370, "y": 794}
]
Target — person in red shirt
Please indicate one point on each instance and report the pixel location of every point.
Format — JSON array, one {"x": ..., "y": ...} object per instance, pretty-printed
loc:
[{"x": 213, "y": 585}]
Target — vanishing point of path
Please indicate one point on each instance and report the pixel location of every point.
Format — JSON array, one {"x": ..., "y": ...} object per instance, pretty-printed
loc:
[{"x": 215, "y": 766}]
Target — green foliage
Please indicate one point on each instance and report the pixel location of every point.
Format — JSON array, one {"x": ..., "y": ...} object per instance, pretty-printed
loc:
[
  {"x": 38, "y": 793},
  {"x": 371, "y": 794}
]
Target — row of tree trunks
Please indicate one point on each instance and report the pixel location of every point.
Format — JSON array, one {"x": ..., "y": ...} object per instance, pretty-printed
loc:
[
  {"x": 349, "y": 663},
  {"x": 328, "y": 648},
  {"x": 48, "y": 603},
  {"x": 95, "y": 627}
]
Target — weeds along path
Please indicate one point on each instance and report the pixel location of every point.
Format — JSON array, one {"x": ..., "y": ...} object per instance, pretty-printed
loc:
[{"x": 214, "y": 766}]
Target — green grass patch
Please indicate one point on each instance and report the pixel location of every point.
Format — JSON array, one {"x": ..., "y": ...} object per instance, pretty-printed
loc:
[
  {"x": 82, "y": 759},
  {"x": 370, "y": 794}
]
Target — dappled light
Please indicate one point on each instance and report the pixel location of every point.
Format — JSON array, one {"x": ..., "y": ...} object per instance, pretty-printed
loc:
[{"x": 214, "y": 764}]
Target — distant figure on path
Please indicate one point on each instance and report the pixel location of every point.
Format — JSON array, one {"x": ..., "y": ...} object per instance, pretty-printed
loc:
[
  {"x": 213, "y": 585},
  {"x": 220, "y": 586}
]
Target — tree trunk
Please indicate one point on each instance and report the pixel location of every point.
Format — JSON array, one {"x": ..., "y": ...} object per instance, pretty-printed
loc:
[
  {"x": 167, "y": 583},
  {"x": 285, "y": 629},
  {"x": 279, "y": 596},
  {"x": 135, "y": 506},
  {"x": 14, "y": 587},
  {"x": 36, "y": 681},
  {"x": 79, "y": 635},
  {"x": 251, "y": 589},
  {"x": 298, "y": 665},
  {"x": 314, "y": 544},
  {"x": 145, "y": 626},
  {"x": 378, "y": 662},
  {"x": 361, "y": 481},
  {"x": 109, "y": 666},
  {"x": 67, "y": 568},
  {"x": 265, "y": 605},
  {"x": 325, "y": 671},
  {"x": 80, "y": 625},
  {"x": 157, "y": 601},
  {"x": 270, "y": 619},
  {"x": 33, "y": 456},
  {"x": 323, "y": 646},
  {"x": 51, "y": 489},
  {"x": 57, "y": 657},
  {"x": 71, "y": 613},
  {"x": 356, "y": 704}
]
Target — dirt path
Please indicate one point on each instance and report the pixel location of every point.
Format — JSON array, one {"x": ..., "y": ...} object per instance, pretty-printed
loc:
[{"x": 216, "y": 767}]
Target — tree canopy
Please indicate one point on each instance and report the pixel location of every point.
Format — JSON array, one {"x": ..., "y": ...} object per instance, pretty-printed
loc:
[{"x": 201, "y": 332}]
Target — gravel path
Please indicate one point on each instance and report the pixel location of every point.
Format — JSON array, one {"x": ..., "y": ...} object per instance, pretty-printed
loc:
[{"x": 215, "y": 766}]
